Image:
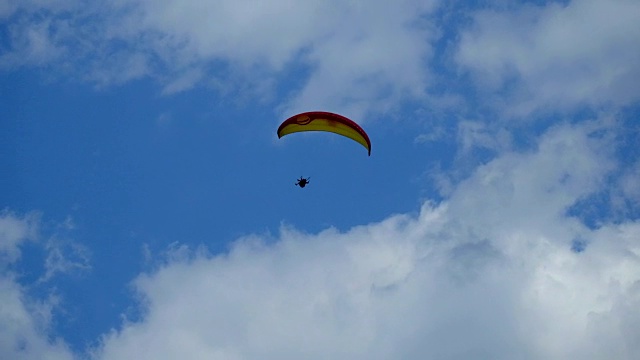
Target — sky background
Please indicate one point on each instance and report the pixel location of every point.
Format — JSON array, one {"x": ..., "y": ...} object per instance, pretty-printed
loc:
[{"x": 147, "y": 207}]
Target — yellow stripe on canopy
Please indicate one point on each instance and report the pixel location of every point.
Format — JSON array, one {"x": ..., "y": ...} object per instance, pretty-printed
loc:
[{"x": 324, "y": 121}]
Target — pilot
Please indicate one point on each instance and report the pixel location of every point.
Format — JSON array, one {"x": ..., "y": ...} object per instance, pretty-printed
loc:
[{"x": 302, "y": 182}]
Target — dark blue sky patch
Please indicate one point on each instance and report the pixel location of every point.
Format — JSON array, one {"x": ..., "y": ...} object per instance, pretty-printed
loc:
[
  {"x": 578, "y": 245},
  {"x": 592, "y": 210}
]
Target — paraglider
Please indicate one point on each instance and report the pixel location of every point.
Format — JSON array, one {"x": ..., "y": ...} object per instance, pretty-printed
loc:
[
  {"x": 325, "y": 121},
  {"x": 302, "y": 182}
]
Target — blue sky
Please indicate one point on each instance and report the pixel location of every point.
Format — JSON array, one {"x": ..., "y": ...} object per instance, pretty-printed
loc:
[{"x": 148, "y": 208}]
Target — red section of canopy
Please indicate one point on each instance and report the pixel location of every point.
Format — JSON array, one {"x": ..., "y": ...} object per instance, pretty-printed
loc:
[{"x": 307, "y": 117}]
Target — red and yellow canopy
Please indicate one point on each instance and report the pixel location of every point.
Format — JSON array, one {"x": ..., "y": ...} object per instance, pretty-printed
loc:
[{"x": 325, "y": 121}]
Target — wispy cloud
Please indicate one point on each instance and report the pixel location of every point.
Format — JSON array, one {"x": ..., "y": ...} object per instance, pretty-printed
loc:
[
  {"x": 25, "y": 321},
  {"x": 65, "y": 257}
]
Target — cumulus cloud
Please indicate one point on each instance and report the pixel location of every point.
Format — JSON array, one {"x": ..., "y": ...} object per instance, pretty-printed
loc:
[
  {"x": 489, "y": 273},
  {"x": 556, "y": 56}
]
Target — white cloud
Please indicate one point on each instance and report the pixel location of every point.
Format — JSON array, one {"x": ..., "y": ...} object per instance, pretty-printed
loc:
[
  {"x": 33, "y": 45},
  {"x": 487, "y": 274},
  {"x": 351, "y": 56},
  {"x": 183, "y": 82},
  {"x": 24, "y": 322},
  {"x": 375, "y": 56},
  {"x": 362, "y": 53},
  {"x": 23, "y": 334},
  {"x": 556, "y": 56},
  {"x": 476, "y": 134},
  {"x": 13, "y": 231}
]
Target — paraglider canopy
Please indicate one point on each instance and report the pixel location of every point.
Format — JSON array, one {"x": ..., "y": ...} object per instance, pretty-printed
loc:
[{"x": 325, "y": 121}]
